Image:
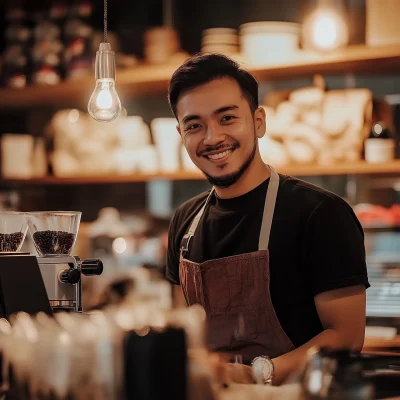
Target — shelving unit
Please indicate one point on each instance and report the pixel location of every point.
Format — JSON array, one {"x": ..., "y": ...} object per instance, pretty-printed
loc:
[
  {"x": 357, "y": 168},
  {"x": 146, "y": 79}
]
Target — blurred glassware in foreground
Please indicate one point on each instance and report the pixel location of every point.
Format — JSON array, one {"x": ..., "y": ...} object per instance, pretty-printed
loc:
[
  {"x": 343, "y": 374},
  {"x": 130, "y": 350}
]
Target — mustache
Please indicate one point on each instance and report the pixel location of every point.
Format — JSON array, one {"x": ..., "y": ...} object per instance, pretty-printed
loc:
[{"x": 209, "y": 149}]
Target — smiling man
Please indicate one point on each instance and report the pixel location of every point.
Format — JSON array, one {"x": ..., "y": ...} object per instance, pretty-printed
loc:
[{"x": 278, "y": 264}]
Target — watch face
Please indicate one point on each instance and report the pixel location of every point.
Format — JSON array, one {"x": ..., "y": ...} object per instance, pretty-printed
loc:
[
  {"x": 268, "y": 368},
  {"x": 263, "y": 368}
]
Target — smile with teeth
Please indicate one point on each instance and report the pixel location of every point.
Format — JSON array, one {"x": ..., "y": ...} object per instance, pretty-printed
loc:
[{"x": 219, "y": 155}]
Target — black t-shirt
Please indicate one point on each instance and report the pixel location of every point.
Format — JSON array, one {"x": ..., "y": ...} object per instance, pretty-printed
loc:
[{"x": 316, "y": 244}]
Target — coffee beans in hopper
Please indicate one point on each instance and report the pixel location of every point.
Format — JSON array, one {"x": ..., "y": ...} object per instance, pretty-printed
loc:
[
  {"x": 54, "y": 242},
  {"x": 10, "y": 241}
]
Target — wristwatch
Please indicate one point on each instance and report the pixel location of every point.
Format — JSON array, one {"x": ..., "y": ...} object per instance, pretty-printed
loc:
[{"x": 263, "y": 370}]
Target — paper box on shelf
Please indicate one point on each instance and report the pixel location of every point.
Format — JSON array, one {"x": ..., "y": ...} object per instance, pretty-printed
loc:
[
  {"x": 16, "y": 156},
  {"x": 383, "y": 26}
]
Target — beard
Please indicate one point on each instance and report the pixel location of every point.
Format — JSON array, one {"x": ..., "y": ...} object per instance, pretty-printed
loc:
[{"x": 228, "y": 180}]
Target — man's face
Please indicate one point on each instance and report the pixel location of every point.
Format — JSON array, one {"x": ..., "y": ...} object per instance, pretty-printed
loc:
[{"x": 219, "y": 129}]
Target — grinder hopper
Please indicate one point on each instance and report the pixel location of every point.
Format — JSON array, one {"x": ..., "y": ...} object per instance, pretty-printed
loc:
[
  {"x": 13, "y": 228},
  {"x": 54, "y": 232}
]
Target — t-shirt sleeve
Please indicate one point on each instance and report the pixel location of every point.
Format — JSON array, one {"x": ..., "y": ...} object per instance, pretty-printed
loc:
[
  {"x": 172, "y": 261},
  {"x": 336, "y": 252}
]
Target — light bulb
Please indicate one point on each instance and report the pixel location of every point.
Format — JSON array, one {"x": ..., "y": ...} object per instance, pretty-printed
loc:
[
  {"x": 104, "y": 104},
  {"x": 119, "y": 245},
  {"x": 325, "y": 30},
  {"x": 378, "y": 129},
  {"x": 104, "y": 99}
]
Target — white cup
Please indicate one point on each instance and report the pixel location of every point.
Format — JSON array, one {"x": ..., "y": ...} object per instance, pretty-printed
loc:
[
  {"x": 16, "y": 156},
  {"x": 125, "y": 161},
  {"x": 133, "y": 133},
  {"x": 167, "y": 141},
  {"x": 379, "y": 150},
  {"x": 147, "y": 160}
]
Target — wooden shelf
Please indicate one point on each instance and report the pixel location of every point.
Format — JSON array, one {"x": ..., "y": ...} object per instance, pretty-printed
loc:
[
  {"x": 130, "y": 84},
  {"x": 108, "y": 179},
  {"x": 357, "y": 168},
  {"x": 355, "y": 59},
  {"x": 145, "y": 79},
  {"x": 380, "y": 226},
  {"x": 376, "y": 343}
]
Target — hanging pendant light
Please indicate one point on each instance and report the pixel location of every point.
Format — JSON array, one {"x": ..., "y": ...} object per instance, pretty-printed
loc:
[
  {"x": 325, "y": 29},
  {"x": 104, "y": 104}
]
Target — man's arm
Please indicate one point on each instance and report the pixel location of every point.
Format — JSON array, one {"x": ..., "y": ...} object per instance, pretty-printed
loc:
[
  {"x": 342, "y": 314},
  {"x": 179, "y": 300}
]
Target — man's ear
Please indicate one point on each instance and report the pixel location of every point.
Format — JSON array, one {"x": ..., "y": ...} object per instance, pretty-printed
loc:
[
  {"x": 178, "y": 129},
  {"x": 260, "y": 122}
]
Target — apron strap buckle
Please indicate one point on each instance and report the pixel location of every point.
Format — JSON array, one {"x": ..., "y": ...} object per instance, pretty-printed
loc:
[{"x": 185, "y": 244}]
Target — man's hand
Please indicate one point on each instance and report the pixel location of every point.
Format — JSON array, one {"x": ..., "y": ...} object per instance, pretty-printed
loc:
[
  {"x": 239, "y": 373},
  {"x": 226, "y": 373}
]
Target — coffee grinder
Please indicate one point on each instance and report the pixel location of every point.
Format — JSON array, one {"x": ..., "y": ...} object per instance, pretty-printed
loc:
[
  {"x": 50, "y": 282},
  {"x": 54, "y": 235}
]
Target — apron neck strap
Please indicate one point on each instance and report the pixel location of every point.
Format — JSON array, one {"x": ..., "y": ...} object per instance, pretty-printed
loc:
[
  {"x": 269, "y": 208},
  {"x": 268, "y": 215},
  {"x": 196, "y": 220},
  {"x": 185, "y": 244}
]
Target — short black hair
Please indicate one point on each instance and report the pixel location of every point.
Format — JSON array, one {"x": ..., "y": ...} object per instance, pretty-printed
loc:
[{"x": 203, "y": 68}]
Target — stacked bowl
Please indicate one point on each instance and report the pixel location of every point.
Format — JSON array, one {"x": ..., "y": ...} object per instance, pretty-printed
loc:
[{"x": 220, "y": 40}]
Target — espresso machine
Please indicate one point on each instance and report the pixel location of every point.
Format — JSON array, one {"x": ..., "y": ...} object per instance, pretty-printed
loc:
[
  {"x": 62, "y": 277},
  {"x": 51, "y": 281}
]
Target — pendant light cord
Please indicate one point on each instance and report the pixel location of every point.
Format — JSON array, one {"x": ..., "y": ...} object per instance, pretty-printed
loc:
[
  {"x": 168, "y": 15},
  {"x": 105, "y": 21}
]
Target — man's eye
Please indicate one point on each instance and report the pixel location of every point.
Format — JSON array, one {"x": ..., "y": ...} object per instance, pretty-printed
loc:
[
  {"x": 227, "y": 118},
  {"x": 192, "y": 127}
]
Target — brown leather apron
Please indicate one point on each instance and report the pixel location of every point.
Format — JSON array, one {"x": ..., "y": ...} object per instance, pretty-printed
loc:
[{"x": 234, "y": 292}]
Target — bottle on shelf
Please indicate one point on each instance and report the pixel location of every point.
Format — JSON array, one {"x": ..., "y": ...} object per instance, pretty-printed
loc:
[
  {"x": 78, "y": 32},
  {"x": 47, "y": 52},
  {"x": 58, "y": 15},
  {"x": 18, "y": 35},
  {"x": 380, "y": 145}
]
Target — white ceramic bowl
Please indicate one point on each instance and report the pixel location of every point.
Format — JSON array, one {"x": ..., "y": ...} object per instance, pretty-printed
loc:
[{"x": 266, "y": 43}]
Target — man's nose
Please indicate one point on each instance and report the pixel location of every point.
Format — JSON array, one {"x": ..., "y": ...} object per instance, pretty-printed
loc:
[{"x": 215, "y": 134}]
